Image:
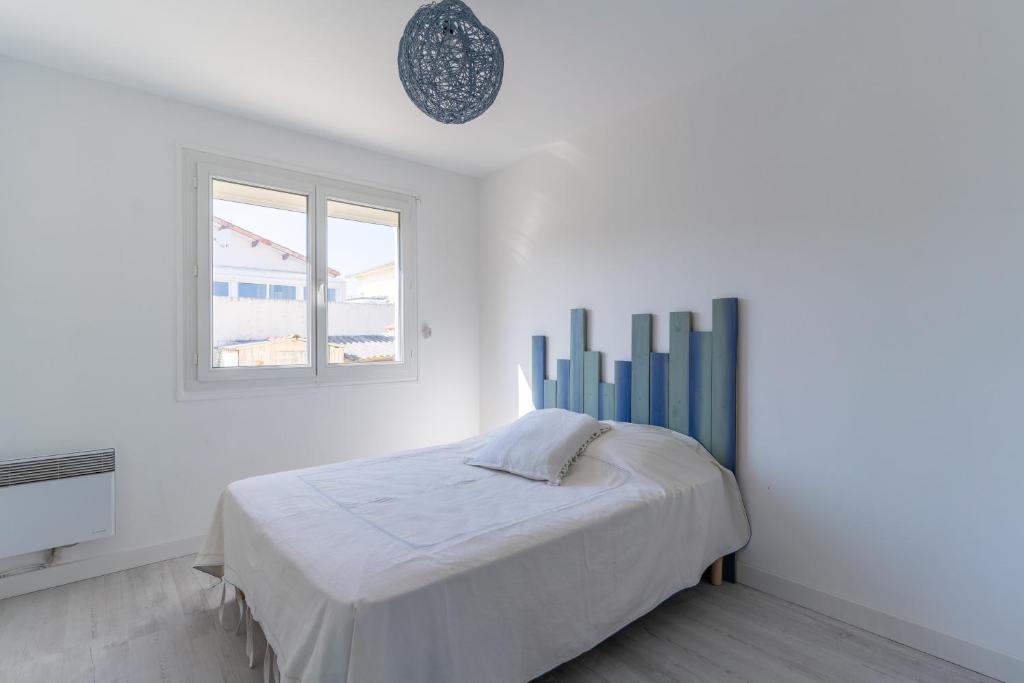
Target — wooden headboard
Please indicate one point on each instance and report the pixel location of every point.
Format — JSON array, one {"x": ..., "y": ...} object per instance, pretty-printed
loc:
[{"x": 690, "y": 390}]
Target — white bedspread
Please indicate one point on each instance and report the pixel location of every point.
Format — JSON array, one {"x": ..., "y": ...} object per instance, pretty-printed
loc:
[{"x": 417, "y": 567}]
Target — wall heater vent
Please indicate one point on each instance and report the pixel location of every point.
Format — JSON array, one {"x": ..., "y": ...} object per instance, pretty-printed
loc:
[
  {"x": 56, "y": 500},
  {"x": 15, "y": 472}
]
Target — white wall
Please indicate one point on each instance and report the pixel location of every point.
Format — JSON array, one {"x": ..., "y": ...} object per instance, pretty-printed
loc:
[
  {"x": 88, "y": 192},
  {"x": 862, "y": 191}
]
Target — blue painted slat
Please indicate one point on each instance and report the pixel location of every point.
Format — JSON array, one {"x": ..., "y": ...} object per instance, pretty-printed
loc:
[
  {"x": 562, "y": 396},
  {"x": 724, "y": 341},
  {"x": 680, "y": 325},
  {"x": 623, "y": 390},
  {"x": 724, "y": 332},
  {"x": 659, "y": 389},
  {"x": 700, "y": 387},
  {"x": 577, "y": 344},
  {"x": 606, "y": 410},
  {"x": 591, "y": 379},
  {"x": 641, "y": 352},
  {"x": 540, "y": 343},
  {"x": 550, "y": 393}
]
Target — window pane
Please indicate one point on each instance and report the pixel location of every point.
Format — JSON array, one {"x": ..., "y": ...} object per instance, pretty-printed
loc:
[
  {"x": 282, "y": 292},
  {"x": 363, "y": 291},
  {"x": 249, "y": 290},
  {"x": 258, "y": 241}
]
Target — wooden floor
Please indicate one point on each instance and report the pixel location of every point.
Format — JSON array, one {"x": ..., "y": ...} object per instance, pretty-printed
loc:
[{"x": 158, "y": 623}]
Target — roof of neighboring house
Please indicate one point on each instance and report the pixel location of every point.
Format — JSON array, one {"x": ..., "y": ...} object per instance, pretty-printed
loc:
[
  {"x": 359, "y": 338},
  {"x": 365, "y": 347},
  {"x": 260, "y": 239},
  {"x": 333, "y": 339},
  {"x": 375, "y": 270},
  {"x": 382, "y": 299},
  {"x": 240, "y": 343},
  {"x": 358, "y": 348}
]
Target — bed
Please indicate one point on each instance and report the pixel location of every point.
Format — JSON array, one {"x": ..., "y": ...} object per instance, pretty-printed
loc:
[{"x": 418, "y": 567}]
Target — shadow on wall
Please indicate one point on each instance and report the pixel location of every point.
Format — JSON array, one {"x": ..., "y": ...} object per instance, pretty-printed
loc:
[
  {"x": 540, "y": 207},
  {"x": 525, "y": 394}
]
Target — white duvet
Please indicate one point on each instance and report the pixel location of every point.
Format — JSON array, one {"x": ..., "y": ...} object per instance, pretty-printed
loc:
[{"x": 417, "y": 567}]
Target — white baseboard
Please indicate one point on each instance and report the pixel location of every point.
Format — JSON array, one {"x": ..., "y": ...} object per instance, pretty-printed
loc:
[
  {"x": 992, "y": 663},
  {"x": 88, "y": 567}
]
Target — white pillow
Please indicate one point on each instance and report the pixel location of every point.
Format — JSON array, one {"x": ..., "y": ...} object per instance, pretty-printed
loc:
[{"x": 541, "y": 445}]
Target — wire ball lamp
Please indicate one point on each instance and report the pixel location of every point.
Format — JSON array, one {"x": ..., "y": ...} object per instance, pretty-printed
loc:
[{"x": 450, "y": 64}]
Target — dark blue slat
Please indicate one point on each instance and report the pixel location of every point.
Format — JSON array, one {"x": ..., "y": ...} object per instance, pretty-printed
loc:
[
  {"x": 724, "y": 328},
  {"x": 623, "y": 389},
  {"x": 700, "y": 387},
  {"x": 540, "y": 343},
  {"x": 659, "y": 389},
  {"x": 562, "y": 388},
  {"x": 577, "y": 345},
  {"x": 724, "y": 359}
]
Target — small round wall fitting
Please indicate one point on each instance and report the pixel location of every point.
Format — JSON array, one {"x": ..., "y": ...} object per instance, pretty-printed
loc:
[{"x": 450, "y": 64}]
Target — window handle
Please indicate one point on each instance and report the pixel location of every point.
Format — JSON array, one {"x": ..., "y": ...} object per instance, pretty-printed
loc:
[{"x": 320, "y": 292}]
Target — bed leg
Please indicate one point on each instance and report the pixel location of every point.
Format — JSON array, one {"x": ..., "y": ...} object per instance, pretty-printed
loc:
[{"x": 715, "y": 572}]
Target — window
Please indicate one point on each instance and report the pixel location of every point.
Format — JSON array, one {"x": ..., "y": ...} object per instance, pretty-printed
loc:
[
  {"x": 275, "y": 234},
  {"x": 285, "y": 292},
  {"x": 251, "y": 290}
]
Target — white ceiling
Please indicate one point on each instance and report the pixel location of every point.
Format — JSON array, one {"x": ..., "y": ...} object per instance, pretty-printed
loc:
[{"x": 328, "y": 66}]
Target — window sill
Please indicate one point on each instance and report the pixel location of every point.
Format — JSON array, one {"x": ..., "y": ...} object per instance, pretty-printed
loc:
[{"x": 231, "y": 389}]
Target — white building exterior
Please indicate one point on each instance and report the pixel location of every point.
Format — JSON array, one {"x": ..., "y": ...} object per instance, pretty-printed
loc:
[
  {"x": 378, "y": 283},
  {"x": 261, "y": 292}
]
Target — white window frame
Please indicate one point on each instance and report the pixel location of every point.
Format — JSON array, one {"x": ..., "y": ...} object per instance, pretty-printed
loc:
[{"x": 199, "y": 376}]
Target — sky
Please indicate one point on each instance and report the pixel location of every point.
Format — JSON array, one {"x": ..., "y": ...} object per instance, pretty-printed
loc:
[{"x": 351, "y": 246}]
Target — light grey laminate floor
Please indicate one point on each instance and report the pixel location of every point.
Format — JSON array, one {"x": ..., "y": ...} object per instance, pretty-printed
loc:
[{"x": 158, "y": 623}]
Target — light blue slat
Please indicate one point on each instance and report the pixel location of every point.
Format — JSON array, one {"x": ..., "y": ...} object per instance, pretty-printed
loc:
[
  {"x": 562, "y": 397},
  {"x": 659, "y": 389},
  {"x": 550, "y": 393},
  {"x": 606, "y": 411},
  {"x": 700, "y": 387},
  {"x": 540, "y": 343},
  {"x": 641, "y": 352},
  {"x": 577, "y": 344},
  {"x": 680, "y": 324},
  {"x": 591, "y": 378},
  {"x": 623, "y": 390},
  {"x": 724, "y": 331}
]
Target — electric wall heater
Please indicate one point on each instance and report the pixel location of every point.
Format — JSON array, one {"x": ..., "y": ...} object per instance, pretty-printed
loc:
[{"x": 55, "y": 500}]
